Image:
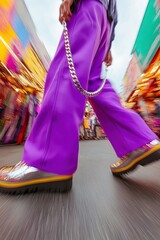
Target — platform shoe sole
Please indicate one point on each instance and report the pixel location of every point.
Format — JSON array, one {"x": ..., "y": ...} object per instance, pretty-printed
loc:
[
  {"x": 149, "y": 157},
  {"x": 56, "y": 185}
]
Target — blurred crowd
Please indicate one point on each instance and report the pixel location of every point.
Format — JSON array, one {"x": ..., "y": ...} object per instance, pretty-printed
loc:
[
  {"x": 17, "y": 115},
  {"x": 90, "y": 128}
]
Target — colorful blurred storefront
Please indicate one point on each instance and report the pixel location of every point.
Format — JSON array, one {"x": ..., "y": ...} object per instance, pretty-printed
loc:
[
  {"x": 22, "y": 73},
  {"x": 142, "y": 78}
]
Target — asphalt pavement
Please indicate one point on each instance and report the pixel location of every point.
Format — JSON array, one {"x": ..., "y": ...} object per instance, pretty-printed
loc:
[{"x": 99, "y": 207}]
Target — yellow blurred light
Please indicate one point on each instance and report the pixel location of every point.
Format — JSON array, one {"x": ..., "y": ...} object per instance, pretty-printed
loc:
[{"x": 6, "y": 3}]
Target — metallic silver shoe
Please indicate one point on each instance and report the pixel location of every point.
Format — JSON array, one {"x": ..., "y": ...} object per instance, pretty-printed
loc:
[
  {"x": 142, "y": 156},
  {"x": 22, "y": 178}
]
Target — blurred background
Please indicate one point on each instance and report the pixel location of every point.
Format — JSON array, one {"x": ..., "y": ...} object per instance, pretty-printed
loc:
[{"x": 24, "y": 61}]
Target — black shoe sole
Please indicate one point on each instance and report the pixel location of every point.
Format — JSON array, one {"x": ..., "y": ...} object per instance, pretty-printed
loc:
[
  {"x": 151, "y": 158},
  {"x": 54, "y": 187}
]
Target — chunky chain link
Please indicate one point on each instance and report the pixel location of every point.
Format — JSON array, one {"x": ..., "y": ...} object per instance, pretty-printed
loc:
[{"x": 72, "y": 68}]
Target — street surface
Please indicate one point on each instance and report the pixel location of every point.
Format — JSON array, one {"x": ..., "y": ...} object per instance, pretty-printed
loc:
[{"x": 99, "y": 207}]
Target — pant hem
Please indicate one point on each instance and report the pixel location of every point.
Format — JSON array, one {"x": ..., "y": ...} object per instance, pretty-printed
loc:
[
  {"x": 56, "y": 171},
  {"x": 138, "y": 146}
]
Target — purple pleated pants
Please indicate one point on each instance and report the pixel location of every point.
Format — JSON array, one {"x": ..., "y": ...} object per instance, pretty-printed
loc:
[{"x": 53, "y": 143}]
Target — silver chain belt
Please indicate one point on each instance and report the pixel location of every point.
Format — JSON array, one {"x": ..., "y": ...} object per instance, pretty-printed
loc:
[{"x": 73, "y": 71}]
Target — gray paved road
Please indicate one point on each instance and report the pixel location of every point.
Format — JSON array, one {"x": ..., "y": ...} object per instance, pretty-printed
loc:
[{"x": 99, "y": 207}]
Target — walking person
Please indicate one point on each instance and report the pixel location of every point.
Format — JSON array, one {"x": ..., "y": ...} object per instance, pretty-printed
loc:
[
  {"x": 50, "y": 160},
  {"x": 86, "y": 126},
  {"x": 93, "y": 123}
]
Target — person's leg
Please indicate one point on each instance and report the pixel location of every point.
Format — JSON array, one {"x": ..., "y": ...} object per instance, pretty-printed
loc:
[
  {"x": 6, "y": 127},
  {"x": 125, "y": 129},
  {"x": 63, "y": 106}
]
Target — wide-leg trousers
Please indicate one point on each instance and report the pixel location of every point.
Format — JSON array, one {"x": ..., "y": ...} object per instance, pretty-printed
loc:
[{"x": 53, "y": 143}]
